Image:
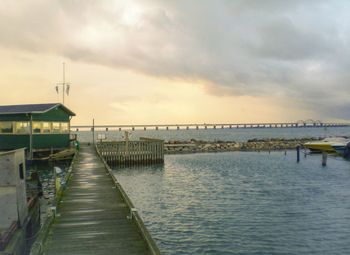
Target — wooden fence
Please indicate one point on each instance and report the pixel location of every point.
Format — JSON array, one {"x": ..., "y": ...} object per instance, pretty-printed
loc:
[{"x": 127, "y": 153}]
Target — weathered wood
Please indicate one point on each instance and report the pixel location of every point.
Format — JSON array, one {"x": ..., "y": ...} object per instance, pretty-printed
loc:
[
  {"x": 128, "y": 153},
  {"x": 92, "y": 215}
]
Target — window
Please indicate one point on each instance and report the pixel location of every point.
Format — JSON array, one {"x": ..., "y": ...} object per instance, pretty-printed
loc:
[
  {"x": 6, "y": 127},
  {"x": 46, "y": 127},
  {"x": 56, "y": 127},
  {"x": 36, "y": 127},
  {"x": 64, "y": 127},
  {"x": 21, "y": 127}
]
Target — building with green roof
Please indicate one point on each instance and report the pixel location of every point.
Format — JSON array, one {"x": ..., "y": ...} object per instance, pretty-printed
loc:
[{"x": 36, "y": 127}]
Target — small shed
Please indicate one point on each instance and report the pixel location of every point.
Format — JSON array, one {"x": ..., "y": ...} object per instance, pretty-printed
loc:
[{"x": 36, "y": 127}]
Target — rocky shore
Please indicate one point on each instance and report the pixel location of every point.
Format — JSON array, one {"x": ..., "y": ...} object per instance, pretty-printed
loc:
[{"x": 193, "y": 146}]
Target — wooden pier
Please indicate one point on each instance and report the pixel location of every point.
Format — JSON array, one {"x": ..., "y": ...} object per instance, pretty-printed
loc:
[
  {"x": 95, "y": 216},
  {"x": 127, "y": 153}
]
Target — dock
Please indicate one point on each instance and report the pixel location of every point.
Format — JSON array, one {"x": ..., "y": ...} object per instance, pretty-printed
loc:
[
  {"x": 128, "y": 153},
  {"x": 94, "y": 215}
]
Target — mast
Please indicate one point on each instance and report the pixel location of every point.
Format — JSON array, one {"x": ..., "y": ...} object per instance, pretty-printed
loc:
[
  {"x": 65, "y": 85},
  {"x": 64, "y": 81}
]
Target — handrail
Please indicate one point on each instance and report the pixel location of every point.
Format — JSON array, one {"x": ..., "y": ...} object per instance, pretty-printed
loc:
[
  {"x": 135, "y": 215},
  {"x": 37, "y": 247}
]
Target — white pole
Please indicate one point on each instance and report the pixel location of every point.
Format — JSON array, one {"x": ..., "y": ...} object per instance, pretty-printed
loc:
[
  {"x": 93, "y": 131},
  {"x": 31, "y": 138},
  {"x": 64, "y": 81},
  {"x": 127, "y": 142}
]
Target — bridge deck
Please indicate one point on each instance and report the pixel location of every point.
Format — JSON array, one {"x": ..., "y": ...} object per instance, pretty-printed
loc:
[{"x": 92, "y": 216}]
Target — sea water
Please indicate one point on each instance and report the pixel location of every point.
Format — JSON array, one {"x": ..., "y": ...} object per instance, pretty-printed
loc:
[
  {"x": 226, "y": 134},
  {"x": 241, "y": 202},
  {"x": 244, "y": 203}
]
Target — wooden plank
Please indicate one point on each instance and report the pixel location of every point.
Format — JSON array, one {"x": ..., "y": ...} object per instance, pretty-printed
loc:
[{"x": 92, "y": 215}]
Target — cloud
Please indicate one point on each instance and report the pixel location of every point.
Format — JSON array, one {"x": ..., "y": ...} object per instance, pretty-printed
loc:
[{"x": 294, "y": 50}]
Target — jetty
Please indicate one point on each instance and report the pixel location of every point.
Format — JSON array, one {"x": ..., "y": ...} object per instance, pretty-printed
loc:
[
  {"x": 127, "y": 153},
  {"x": 95, "y": 215}
]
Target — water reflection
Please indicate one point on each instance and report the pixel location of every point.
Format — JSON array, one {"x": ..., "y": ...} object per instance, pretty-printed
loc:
[{"x": 244, "y": 203}]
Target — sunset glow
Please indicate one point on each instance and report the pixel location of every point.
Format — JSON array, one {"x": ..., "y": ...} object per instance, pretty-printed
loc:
[{"x": 148, "y": 62}]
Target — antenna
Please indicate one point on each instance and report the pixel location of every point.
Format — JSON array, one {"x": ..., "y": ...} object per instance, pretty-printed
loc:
[{"x": 65, "y": 85}]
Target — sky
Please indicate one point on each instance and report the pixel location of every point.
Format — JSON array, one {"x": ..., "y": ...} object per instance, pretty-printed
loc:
[{"x": 178, "y": 62}]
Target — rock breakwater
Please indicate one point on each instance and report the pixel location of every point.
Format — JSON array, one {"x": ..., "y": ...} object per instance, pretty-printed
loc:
[{"x": 194, "y": 146}]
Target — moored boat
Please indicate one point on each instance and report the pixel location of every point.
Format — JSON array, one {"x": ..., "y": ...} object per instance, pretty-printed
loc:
[{"x": 329, "y": 145}]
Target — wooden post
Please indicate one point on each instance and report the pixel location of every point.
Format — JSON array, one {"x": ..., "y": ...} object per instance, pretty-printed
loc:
[
  {"x": 93, "y": 131},
  {"x": 324, "y": 158},
  {"x": 298, "y": 154},
  {"x": 126, "y": 142}
]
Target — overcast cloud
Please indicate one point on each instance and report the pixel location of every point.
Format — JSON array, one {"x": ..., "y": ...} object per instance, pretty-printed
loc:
[{"x": 295, "y": 50}]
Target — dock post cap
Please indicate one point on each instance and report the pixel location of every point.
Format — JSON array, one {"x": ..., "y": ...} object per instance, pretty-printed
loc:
[
  {"x": 53, "y": 211},
  {"x": 132, "y": 211}
]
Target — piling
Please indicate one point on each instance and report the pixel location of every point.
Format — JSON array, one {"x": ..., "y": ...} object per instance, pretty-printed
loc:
[
  {"x": 298, "y": 153},
  {"x": 324, "y": 158},
  {"x": 93, "y": 131}
]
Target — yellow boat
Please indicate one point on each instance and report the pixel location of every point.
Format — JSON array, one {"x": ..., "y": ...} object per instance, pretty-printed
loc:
[{"x": 328, "y": 145}]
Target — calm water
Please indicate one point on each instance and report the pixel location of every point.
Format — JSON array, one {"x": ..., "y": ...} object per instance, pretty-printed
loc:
[
  {"x": 221, "y": 134},
  {"x": 244, "y": 203}
]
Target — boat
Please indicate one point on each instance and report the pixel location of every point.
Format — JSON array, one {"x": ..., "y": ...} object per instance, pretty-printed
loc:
[
  {"x": 329, "y": 145},
  {"x": 343, "y": 149}
]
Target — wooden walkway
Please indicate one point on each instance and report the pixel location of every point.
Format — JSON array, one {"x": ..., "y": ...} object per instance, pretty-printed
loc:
[{"x": 92, "y": 216}]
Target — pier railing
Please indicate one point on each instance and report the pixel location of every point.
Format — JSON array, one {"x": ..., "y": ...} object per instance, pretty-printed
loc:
[
  {"x": 134, "y": 214},
  {"x": 37, "y": 246},
  {"x": 128, "y": 153}
]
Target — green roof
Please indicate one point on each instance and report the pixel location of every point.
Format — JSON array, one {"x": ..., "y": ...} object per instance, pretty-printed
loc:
[{"x": 32, "y": 108}]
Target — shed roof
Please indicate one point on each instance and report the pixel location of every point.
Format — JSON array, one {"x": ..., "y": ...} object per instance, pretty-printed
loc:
[{"x": 32, "y": 108}]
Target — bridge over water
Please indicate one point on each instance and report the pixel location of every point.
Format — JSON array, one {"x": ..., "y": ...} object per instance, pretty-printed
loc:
[{"x": 297, "y": 124}]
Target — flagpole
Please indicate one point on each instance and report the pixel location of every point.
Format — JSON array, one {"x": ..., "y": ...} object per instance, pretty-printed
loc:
[
  {"x": 64, "y": 81},
  {"x": 65, "y": 85}
]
